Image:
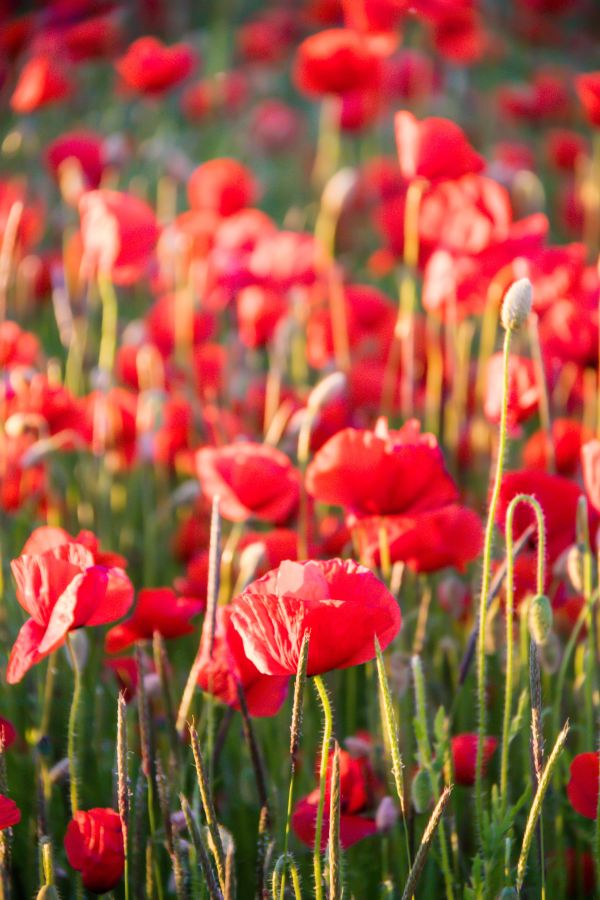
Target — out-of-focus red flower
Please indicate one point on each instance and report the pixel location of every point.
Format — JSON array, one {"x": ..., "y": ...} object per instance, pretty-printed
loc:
[
  {"x": 125, "y": 669},
  {"x": 464, "y": 756},
  {"x": 424, "y": 541},
  {"x": 359, "y": 109},
  {"x": 62, "y": 588},
  {"x": 228, "y": 666},
  {"x": 86, "y": 147},
  {"x": 17, "y": 347},
  {"x": 336, "y": 61},
  {"x": 10, "y": 814},
  {"x": 275, "y": 126},
  {"x": 157, "y": 609},
  {"x": 337, "y": 598},
  {"x": 558, "y": 498},
  {"x": 149, "y": 67},
  {"x": 375, "y": 15},
  {"x": 381, "y": 472},
  {"x": 588, "y": 91},
  {"x": 119, "y": 234},
  {"x": 223, "y": 185},
  {"x": 564, "y": 148},
  {"x": 225, "y": 94},
  {"x": 258, "y": 312},
  {"x": 358, "y": 789},
  {"x": 523, "y": 389},
  {"x": 568, "y": 436},
  {"x": 582, "y": 789},
  {"x": 43, "y": 80},
  {"x": 460, "y": 37},
  {"x": 433, "y": 148},
  {"x": 166, "y": 319},
  {"x": 265, "y": 39},
  {"x": 8, "y": 733},
  {"x": 409, "y": 75},
  {"x": 94, "y": 37},
  {"x": 94, "y": 847},
  {"x": 19, "y": 483},
  {"x": 253, "y": 481},
  {"x": 544, "y": 97}
]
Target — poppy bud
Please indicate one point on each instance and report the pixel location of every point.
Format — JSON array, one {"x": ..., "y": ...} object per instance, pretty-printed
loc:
[
  {"x": 573, "y": 567},
  {"x": 550, "y": 655},
  {"x": 517, "y": 304},
  {"x": 386, "y": 815},
  {"x": 540, "y": 619},
  {"x": 420, "y": 791},
  {"x": 338, "y": 189}
]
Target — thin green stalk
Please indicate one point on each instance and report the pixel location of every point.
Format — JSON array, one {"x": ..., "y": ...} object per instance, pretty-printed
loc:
[
  {"x": 110, "y": 317},
  {"x": 391, "y": 729},
  {"x": 279, "y": 871},
  {"x": 71, "y": 738},
  {"x": 335, "y": 849},
  {"x": 537, "y": 509},
  {"x": 327, "y": 732},
  {"x": 216, "y": 845},
  {"x": 536, "y": 807},
  {"x": 485, "y": 585},
  {"x": 428, "y": 834}
]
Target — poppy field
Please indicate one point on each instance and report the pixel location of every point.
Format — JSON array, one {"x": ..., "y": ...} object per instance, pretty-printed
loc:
[{"x": 300, "y": 449}]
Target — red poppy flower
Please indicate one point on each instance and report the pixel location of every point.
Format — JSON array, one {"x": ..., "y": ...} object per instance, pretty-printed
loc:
[
  {"x": 460, "y": 37},
  {"x": 523, "y": 390},
  {"x": 119, "y": 234},
  {"x": 335, "y": 597},
  {"x": 19, "y": 483},
  {"x": 558, "y": 498},
  {"x": 10, "y": 814},
  {"x": 17, "y": 347},
  {"x": 258, "y": 312},
  {"x": 42, "y": 81},
  {"x": 86, "y": 147},
  {"x": 62, "y": 588},
  {"x": 358, "y": 786},
  {"x": 565, "y": 148},
  {"x": 424, "y": 541},
  {"x": 433, "y": 148},
  {"x": 464, "y": 756},
  {"x": 8, "y": 732},
  {"x": 222, "y": 185},
  {"x": 149, "y": 67},
  {"x": 336, "y": 61},
  {"x": 381, "y": 472},
  {"x": 253, "y": 481},
  {"x": 93, "y": 38},
  {"x": 568, "y": 436},
  {"x": 164, "y": 320},
  {"x": 126, "y": 671},
  {"x": 588, "y": 91},
  {"x": 275, "y": 126},
  {"x": 47, "y": 537},
  {"x": 582, "y": 789},
  {"x": 228, "y": 666},
  {"x": 157, "y": 609},
  {"x": 94, "y": 847}
]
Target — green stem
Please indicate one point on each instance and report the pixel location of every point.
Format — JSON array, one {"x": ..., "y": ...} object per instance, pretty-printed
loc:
[
  {"x": 485, "y": 585},
  {"x": 110, "y": 317},
  {"x": 327, "y": 732},
  {"x": 530, "y": 501},
  {"x": 71, "y": 739}
]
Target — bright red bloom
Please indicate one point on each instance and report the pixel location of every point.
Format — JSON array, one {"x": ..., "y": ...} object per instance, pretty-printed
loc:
[
  {"x": 42, "y": 81},
  {"x": 86, "y": 147},
  {"x": 17, "y": 347},
  {"x": 424, "y": 541},
  {"x": 253, "y": 481},
  {"x": 8, "y": 733},
  {"x": 228, "y": 666},
  {"x": 558, "y": 498},
  {"x": 381, "y": 472},
  {"x": 10, "y": 814},
  {"x": 464, "y": 756},
  {"x": 568, "y": 436},
  {"x": 258, "y": 311},
  {"x": 582, "y": 789},
  {"x": 119, "y": 234},
  {"x": 433, "y": 148},
  {"x": 333, "y": 598},
  {"x": 157, "y": 609},
  {"x": 336, "y": 61},
  {"x": 460, "y": 37},
  {"x": 222, "y": 185},
  {"x": 149, "y": 67},
  {"x": 564, "y": 148},
  {"x": 94, "y": 847},
  {"x": 590, "y": 462},
  {"x": 523, "y": 390},
  {"x": 588, "y": 91},
  {"x": 62, "y": 588},
  {"x": 357, "y": 800}
]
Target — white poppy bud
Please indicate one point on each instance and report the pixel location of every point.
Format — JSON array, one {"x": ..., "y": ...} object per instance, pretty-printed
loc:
[{"x": 517, "y": 304}]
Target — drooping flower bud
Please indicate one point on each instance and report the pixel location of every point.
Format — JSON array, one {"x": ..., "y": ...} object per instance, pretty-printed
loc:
[
  {"x": 517, "y": 304},
  {"x": 540, "y": 619},
  {"x": 420, "y": 791}
]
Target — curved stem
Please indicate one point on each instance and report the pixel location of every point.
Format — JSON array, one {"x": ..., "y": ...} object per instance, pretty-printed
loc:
[
  {"x": 71, "y": 740},
  {"x": 487, "y": 557},
  {"x": 537, "y": 509},
  {"x": 327, "y": 731}
]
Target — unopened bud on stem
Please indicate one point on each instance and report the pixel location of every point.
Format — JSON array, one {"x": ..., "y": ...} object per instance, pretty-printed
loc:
[{"x": 517, "y": 304}]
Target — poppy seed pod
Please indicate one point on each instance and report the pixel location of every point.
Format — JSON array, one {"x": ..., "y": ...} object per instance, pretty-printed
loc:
[
  {"x": 517, "y": 304},
  {"x": 540, "y": 619},
  {"x": 420, "y": 791}
]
